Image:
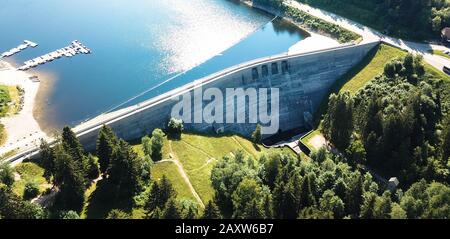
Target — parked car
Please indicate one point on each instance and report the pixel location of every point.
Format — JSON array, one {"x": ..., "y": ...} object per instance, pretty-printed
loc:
[{"x": 446, "y": 70}]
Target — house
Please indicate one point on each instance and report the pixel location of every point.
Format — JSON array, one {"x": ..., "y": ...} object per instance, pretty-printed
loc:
[
  {"x": 445, "y": 34},
  {"x": 393, "y": 183}
]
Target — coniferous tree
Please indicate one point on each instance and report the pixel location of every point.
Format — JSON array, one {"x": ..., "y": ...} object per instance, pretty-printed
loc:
[
  {"x": 125, "y": 169},
  {"x": 368, "y": 206},
  {"x": 106, "y": 143},
  {"x": 72, "y": 145},
  {"x": 256, "y": 136},
  {"x": 159, "y": 195},
  {"x": 47, "y": 159},
  {"x": 171, "y": 210},
  {"x": 71, "y": 181},
  {"x": 6, "y": 174},
  {"x": 211, "y": 211},
  {"x": 338, "y": 122},
  {"x": 354, "y": 195}
]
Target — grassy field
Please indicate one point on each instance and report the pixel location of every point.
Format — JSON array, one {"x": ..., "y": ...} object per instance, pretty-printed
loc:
[
  {"x": 361, "y": 74},
  {"x": 439, "y": 53},
  {"x": 436, "y": 73},
  {"x": 371, "y": 66},
  {"x": 29, "y": 172},
  {"x": 9, "y": 104},
  {"x": 170, "y": 170},
  {"x": 306, "y": 140},
  {"x": 197, "y": 155}
]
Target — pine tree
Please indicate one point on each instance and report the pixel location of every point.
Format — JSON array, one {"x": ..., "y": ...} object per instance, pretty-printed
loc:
[
  {"x": 125, "y": 169},
  {"x": 338, "y": 122},
  {"x": 307, "y": 198},
  {"x": 92, "y": 167},
  {"x": 354, "y": 195},
  {"x": 159, "y": 194},
  {"x": 6, "y": 174},
  {"x": 211, "y": 211},
  {"x": 106, "y": 142},
  {"x": 368, "y": 206},
  {"x": 71, "y": 183},
  {"x": 171, "y": 210},
  {"x": 256, "y": 136},
  {"x": 73, "y": 147},
  {"x": 47, "y": 160}
]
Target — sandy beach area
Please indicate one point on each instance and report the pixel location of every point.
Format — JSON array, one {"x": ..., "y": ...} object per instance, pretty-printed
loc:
[{"x": 22, "y": 129}]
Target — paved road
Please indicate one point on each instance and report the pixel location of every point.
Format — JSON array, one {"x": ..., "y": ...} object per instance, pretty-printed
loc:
[{"x": 370, "y": 34}]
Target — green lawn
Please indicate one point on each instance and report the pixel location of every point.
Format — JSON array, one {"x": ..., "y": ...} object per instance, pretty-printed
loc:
[
  {"x": 369, "y": 68},
  {"x": 436, "y": 73},
  {"x": 29, "y": 172},
  {"x": 439, "y": 53},
  {"x": 197, "y": 154},
  {"x": 355, "y": 79},
  {"x": 306, "y": 140},
  {"x": 170, "y": 170},
  {"x": 361, "y": 74},
  {"x": 9, "y": 104}
]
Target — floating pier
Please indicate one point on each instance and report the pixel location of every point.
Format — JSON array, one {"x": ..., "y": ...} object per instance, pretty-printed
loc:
[
  {"x": 19, "y": 48},
  {"x": 73, "y": 49}
]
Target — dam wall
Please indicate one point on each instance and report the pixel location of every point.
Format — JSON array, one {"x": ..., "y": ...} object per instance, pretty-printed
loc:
[{"x": 303, "y": 81}]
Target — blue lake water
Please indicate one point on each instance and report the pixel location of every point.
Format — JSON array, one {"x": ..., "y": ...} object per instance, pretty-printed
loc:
[{"x": 136, "y": 46}]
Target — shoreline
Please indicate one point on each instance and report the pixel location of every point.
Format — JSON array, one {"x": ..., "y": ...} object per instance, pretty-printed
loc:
[
  {"x": 314, "y": 41},
  {"x": 22, "y": 129}
]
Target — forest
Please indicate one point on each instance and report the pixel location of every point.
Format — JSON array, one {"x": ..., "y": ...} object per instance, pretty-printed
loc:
[{"x": 412, "y": 19}]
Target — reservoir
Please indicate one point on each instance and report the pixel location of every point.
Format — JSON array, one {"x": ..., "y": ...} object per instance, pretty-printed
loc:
[{"x": 140, "y": 48}]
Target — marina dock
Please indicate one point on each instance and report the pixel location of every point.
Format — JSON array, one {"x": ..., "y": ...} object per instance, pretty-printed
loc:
[
  {"x": 26, "y": 44},
  {"x": 73, "y": 49}
]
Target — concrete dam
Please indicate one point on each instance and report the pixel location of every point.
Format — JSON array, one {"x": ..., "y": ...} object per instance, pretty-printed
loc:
[{"x": 303, "y": 80}]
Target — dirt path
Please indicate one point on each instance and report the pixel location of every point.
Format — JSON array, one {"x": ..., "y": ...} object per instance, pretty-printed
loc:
[{"x": 183, "y": 174}]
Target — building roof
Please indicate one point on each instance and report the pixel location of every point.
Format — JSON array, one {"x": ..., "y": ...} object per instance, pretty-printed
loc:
[
  {"x": 446, "y": 32},
  {"x": 394, "y": 181}
]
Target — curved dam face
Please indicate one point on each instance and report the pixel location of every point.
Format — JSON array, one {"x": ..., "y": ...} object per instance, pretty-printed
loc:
[{"x": 302, "y": 81}]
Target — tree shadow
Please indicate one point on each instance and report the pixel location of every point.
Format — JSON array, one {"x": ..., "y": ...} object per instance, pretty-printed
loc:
[
  {"x": 256, "y": 146},
  {"x": 107, "y": 196}
]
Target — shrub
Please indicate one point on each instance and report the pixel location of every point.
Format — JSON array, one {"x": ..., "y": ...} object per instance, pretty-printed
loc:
[
  {"x": 31, "y": 190},
  {"x": 175, "y": 128}
]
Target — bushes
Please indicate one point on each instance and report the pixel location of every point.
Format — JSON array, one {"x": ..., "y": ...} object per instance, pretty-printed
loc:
[
  {"x": 31, "y": 190},
  {"x": 175, "y": 128},
  {"x": 310, "y": 22},
  {"x": 402, "y": 18},
  {"x": 316, "y": 24}
]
